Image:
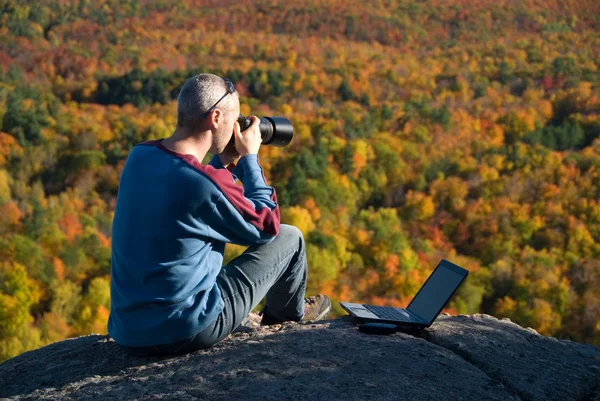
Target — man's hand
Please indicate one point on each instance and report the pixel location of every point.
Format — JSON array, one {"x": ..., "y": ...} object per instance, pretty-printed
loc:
[
  {"x": 230, "y": 154},
  {"x": 247, "y": 142}
]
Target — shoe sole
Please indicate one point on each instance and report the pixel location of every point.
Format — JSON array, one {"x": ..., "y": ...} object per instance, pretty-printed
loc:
[{"x": 319, "y": 317}]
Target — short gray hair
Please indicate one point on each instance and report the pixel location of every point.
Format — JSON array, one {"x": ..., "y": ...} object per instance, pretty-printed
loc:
[{"x": 197, "y": 95}]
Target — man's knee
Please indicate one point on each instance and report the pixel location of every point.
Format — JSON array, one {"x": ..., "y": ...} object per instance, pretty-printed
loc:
[{"x": 291, "y": 233}]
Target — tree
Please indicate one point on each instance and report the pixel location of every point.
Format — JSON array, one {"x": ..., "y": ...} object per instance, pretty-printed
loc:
[
  {"x": 345, "y": 91},
  {"x": 28, "y": 111},
  {"x": 66, "y": 300},
  {"x": 18, "y": 293}
]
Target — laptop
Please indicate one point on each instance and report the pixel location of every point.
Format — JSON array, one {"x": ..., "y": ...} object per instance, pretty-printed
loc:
[{"x": 424, "y": 308}]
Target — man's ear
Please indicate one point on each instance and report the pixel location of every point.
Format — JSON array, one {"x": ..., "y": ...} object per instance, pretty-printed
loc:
[{"x": 216, "y": 117}]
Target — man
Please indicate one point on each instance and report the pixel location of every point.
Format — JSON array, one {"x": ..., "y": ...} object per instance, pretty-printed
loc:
[{"x": 173, "y": 217}]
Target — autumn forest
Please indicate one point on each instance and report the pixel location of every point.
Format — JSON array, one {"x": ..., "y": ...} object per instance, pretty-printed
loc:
[{"x": 424, "y": 129}]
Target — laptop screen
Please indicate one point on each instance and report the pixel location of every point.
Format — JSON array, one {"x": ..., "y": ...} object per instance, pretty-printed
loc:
[{"x": 435, "y": 292}]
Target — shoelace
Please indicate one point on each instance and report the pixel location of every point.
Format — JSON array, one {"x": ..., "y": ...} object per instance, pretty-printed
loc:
[{"x": 309, "y": 304}]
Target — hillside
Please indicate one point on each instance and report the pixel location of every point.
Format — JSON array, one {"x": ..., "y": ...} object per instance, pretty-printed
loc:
[{"x": 466, "y": 130}]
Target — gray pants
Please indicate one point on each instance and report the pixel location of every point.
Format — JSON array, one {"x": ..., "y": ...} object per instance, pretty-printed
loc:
[{"x": 276, "y": 270}]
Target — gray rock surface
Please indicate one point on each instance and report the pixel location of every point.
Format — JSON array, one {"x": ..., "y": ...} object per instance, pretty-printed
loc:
[
  {"x": 465, "y": 357},
  {"x": 531, "y": 365}
]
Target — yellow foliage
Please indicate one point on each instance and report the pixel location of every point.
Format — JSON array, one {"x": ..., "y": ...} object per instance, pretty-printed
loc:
[
  {"x": 299, "y": 217},
  {"x": 362, "y": 236},
  {"x": 545, "y": 109},
  {"x": 335, "y": 144},
  {"x": 505, "y": 307},
  {"x": 137, "y": 86},
  {"x": 546, "y": 320},
  {"x": 27, "y": 104},
  {"x": 540, "y": 287},
  {"x": 26, "y": 339},
  {"x": 18, "y": 294},
  {"x": 405, "y": 95},
  {"x": 449, "y": 193},
  {"x": 488, "y": 173},
  {"x": 290, "y": 61},
  {"x": 496, "y": 135},
  {"x": 5, "y": 179},
  {"x": 286, "y": 110},
  {"x": 421, "y": 205},
  {"x": 408, "y": 259},
  {"x": 323, "y": 268},
  {"x": 303, "y": 132},
  {"x": 244, "y": 109}
]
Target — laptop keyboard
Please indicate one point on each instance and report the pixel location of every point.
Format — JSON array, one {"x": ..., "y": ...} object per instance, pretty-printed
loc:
[{"x": 387, "y": 312}]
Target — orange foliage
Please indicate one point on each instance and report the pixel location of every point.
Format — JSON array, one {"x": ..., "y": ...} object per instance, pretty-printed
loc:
[
  {"x": 10, "y": 215},
  {"x": 8, "y": 145},
  {"x": 59, "y": 268},
  {"x": 70, "y": 225},
  {"x": 104, "y": 241},
  {"x": 445, "y": 137},
  {"x": 391, "y": 266},
  {"x": 312, "y": 207}
]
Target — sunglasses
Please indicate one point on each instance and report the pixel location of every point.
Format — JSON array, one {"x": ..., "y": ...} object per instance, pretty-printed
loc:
[{"x": 230, "y": 89}]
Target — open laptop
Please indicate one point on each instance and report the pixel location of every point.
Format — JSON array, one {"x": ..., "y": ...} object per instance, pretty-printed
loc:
[{"x": 424, "y": 308}]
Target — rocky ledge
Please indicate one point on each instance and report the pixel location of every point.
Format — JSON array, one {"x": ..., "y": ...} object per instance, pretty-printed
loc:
[{"x": 465, "y": 357}]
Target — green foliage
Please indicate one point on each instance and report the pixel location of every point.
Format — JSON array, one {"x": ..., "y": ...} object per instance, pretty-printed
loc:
[
  {"x": 138, "y": 88},
  {"x": 347, "y": 162},
  {"x": 313, "y": 163},
  {"x": 567, "y": 136},
  {"x": 321, "y": 240},
  {"x": 296, "y": 187},
  {"x": 345, "y": 91},
  {"x": 470, "y": 294},
  {"x": 66, "y": 300},
  {"x": 323, "y": 267},
  {"x": 421, "y": 106},
  {"x": 488, "y": 149},
  {"x": 28, "y": 111},
  {"x": 29, "y": 254},
  {"x": 565, "y": 66},
  {"x": 559, "y": 27}
]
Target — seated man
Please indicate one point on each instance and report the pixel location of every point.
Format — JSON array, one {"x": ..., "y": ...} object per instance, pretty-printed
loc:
[{"x": 169, "y": 292}]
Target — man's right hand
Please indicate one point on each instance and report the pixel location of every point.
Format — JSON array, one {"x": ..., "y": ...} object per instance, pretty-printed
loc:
[{"x": 247, "y": 142}]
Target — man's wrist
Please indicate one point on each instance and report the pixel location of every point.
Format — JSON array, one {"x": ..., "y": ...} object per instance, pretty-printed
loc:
[
  {"x": 231, "y": 165},
  {"x": 226, "y": 163}
]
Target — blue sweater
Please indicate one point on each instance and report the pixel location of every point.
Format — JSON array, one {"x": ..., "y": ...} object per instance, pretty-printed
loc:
[{"x": 172, "y": 220}]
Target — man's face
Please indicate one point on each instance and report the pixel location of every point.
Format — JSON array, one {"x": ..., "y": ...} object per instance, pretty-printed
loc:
[{"x": 224, "y": 131}]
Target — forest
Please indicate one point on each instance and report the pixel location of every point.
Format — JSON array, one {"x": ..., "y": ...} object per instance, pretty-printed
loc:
[{"x": 424, "y": 129}]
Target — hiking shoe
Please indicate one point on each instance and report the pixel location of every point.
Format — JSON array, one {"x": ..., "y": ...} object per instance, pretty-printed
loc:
[{"x": 315, "y": 308}]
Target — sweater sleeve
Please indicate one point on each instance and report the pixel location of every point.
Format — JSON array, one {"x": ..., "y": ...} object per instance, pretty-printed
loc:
[{"x": 248, "y": 215}]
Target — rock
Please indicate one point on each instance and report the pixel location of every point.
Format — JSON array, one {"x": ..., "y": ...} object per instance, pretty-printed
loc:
[
  {"x": 531, "y": 365},
  {"x": 469, "y": 357}
]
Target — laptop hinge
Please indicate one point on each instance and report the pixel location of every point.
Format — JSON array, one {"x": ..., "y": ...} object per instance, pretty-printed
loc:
[{"x": 416, "y": 316}]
